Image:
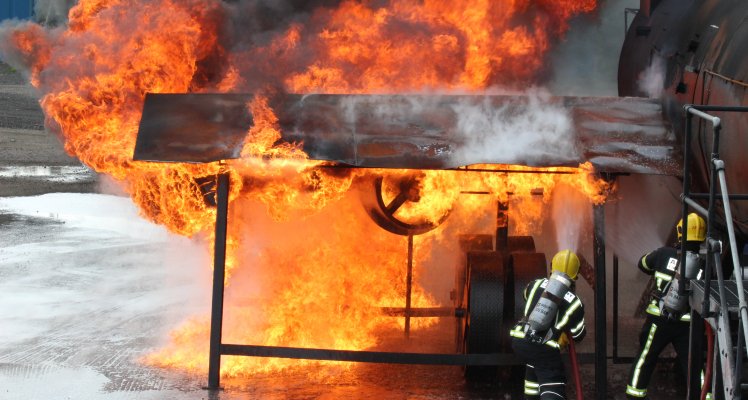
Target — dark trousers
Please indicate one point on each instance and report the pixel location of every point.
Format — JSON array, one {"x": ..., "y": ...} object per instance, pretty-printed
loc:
[
  {"x": 657, "y": 333},
  {"x": 545, "y": 378}
]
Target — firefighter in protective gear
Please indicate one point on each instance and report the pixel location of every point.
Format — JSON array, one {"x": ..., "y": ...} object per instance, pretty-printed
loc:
[
  {"x": 661, "y": 327},
  {"x": 540, "y": 349}
]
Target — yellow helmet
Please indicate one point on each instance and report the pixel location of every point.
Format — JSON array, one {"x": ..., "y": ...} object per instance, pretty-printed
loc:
[
  {"x": 696, "y": 228},
  {"x": 567, "y": 262}
]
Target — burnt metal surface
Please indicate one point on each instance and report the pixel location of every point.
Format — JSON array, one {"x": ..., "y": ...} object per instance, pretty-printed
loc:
[
  {"x": 194, "y": 128},
  {"x": 620, "y": 135}
]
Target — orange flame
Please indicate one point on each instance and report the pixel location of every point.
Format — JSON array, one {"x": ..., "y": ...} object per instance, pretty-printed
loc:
[{"x": 321, "y": 271}]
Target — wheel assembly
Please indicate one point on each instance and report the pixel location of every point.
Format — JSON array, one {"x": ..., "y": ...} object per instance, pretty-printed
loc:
[
  {"x": 390, "y": 202},
  {"x": 484, "y": 297},
  {"x": 468, "y": 243}
]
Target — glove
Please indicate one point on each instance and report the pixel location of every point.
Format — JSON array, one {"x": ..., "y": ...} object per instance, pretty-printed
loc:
[{"x": 563, "y": 340}]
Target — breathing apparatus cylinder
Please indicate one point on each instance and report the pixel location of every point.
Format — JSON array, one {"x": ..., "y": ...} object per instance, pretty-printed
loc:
[
  {"x": 565, "y": 267},
  {"x": 673, "y": 305},
  {"x": 544, "y": 313}
]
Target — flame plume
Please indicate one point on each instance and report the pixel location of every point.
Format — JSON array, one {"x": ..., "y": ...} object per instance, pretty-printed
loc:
[{"x": 320, "y": 269}]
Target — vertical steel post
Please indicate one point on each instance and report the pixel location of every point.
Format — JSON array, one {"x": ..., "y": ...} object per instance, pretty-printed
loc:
[
  {"x": 219, "y": 272},
  {"x": 695, "y": 354},
  {"x": 615, "y": 308},
  {"x": 502, "y": 226},
  {"x": 409, "y": 286},
  {"x": 601, "y": 349},
  {"x": 694, "y": 367}
]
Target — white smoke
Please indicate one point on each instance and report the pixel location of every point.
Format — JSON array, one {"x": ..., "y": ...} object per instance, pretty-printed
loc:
[
  {"x": 52, "y": 12},
  {"x": 652, "y": 80},
  {"x": 585, "y": 62},
  {"x": 535, "y": 132}
]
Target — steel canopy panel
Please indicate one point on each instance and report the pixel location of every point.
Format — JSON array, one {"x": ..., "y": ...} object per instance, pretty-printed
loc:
[
  {"x": 193, "y": 128},
  {"x": 620, "y": 135}
]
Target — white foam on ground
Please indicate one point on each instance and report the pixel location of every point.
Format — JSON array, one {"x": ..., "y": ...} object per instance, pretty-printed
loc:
[
  {"x": 88, "y": 292},
  {"x": 93, "y": 211},
  {"x": 62, "y": 174}
]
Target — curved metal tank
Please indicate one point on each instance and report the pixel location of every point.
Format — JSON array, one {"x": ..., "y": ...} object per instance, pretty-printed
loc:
[{"x": 696, "y": 51}]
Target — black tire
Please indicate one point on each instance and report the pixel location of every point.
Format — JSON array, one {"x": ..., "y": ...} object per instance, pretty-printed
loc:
[
  {"x": 520, "y": 244},
  {"x": 467, "y": 243},
  {"x": 526, "y": 267},
  {"x": 483, "y": 325}
]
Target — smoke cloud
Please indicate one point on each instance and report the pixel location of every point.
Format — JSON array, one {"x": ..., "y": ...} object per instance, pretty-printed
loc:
[
  {"x": 585, "y": 62},
  {"x": 53, "y": 12},
  {"x": 652, "y": 80},
  {"x": 529, "y": 133}
]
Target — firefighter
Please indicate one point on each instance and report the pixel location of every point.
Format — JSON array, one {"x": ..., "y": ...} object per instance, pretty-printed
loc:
[
  {"x": 551, "y": 309},
  {"x": 664, "y": 325}
]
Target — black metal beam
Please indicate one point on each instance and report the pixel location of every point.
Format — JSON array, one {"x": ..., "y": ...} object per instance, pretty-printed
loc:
[
  {"x": 431, "y": 312},
  {"x": 408, "y": 286},
  {"x": 219, "y": 272},
  {"x": 601, "y": 349},
  {"x": 369, "y": 356},
  {"x": 381, "y": 357},
  {"x": 615, "y": 308}
]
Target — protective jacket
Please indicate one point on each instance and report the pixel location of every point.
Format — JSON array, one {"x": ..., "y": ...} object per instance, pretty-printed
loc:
[
  {"x": 544, "y": 373},
  {"x": 658, "y": 331},
  {"x": 662, "y": 264}
]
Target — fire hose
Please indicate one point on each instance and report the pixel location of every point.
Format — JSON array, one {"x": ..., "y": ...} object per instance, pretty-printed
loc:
[
  {"x": 706, "y": 384},
  {"x": 575, "y": 367}
]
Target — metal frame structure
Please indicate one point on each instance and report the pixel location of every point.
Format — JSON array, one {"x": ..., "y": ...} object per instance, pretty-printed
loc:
[
  {"x": 717, "y": 316},
  {"x": 218, "y": 348}
]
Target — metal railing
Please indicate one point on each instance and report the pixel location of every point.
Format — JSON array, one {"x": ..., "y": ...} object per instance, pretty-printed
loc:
[{"x": 730, "y": 361}]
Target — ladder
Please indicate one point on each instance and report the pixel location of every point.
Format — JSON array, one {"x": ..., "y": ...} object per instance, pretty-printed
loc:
[{"x": 721, "y": 302}]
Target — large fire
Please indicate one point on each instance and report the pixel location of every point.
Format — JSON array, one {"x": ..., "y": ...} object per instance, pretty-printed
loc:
[{"x": 321, "y": 270}]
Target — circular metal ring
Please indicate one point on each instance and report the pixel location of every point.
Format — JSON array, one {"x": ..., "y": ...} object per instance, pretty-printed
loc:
[{"x": 383, "y": 212}]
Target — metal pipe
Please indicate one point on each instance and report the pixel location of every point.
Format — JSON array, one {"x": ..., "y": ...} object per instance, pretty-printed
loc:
[
  {"x": 601, "y": 350},
  {"x": 697, "y": 110},
  {"x": 684, "y": 208},
  {"x": 409, "y": 286},
  {"x": 219, "y": 273},
  {"x": 696, "y": 206},
  {"x": 720, "y": 167},
  {"x": 707, "y": 107},
  {"x": 730, "y": 196}
]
